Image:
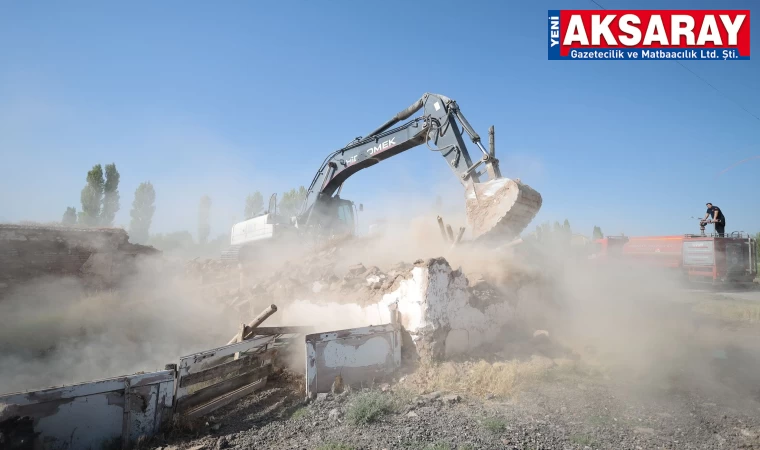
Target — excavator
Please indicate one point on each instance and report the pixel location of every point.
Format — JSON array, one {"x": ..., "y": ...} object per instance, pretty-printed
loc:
[{"x": 498, "y": 208}]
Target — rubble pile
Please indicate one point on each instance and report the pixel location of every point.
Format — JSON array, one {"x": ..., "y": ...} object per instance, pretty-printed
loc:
[
  {"x": 442, "y": 311},
  {"x": 210, "y": 271},
  {"x": 319, "y": 276}
]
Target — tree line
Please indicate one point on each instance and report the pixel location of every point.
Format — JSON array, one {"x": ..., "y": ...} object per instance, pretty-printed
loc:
[
  {"x": 100, "y": 200},
  {"x": 564, "y": 232},
  {"x": 289, "y": 205}
]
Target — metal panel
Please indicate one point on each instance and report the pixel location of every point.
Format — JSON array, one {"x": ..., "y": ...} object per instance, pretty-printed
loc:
[
  {"x": 109, "y": 413},
  {"x": 223, "y": 392},
  {"x": 211, "y": 379},
  {"x": 358, "y": 355},
  {"x": 735, "y": 260},
  {"x": 209, "y": 358},
  {"x": 699, "y": 253}
]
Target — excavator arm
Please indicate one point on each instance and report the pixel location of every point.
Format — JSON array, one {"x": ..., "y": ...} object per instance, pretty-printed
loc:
[{"x": 442, "y": 125}]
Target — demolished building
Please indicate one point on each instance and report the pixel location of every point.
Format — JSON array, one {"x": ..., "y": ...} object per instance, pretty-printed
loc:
[
  {"x": 100, "y": 255},
  {"x": 443, "y": 311}
]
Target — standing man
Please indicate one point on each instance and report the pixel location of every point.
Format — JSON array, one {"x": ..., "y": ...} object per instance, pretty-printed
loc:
[{"x": 714, "y": 213}]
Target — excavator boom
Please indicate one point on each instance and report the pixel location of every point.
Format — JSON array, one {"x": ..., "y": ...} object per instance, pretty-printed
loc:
[{"x": 495, "y": 205}]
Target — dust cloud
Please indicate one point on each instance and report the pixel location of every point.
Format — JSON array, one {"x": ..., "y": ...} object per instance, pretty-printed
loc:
[
  {"x": 636, "y": 325},
  {"x": 56, "y": 331}
]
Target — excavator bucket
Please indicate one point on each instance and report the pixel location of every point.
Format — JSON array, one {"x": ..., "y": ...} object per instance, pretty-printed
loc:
[{"x": 500, "y": 209}]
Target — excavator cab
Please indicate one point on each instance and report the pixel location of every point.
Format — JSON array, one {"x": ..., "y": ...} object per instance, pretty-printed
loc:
[
  {"x": 334, "y": 216},
  {"x": 346, "y": 221}
]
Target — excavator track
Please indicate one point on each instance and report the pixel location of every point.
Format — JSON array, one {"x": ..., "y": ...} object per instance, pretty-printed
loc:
[{"x": 500, "y": 209}]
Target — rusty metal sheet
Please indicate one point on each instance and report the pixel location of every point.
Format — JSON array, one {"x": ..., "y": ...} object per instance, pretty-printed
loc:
[
  {"x": 358, "y": 355},
  {"x": 106, "y": 413}
]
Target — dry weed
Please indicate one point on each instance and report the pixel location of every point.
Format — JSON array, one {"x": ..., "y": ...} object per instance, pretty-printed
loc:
[
  {"x": 368, "y": 407},
  {"x": 482, "y": 378},
  {"x": 730, "y": 309}
]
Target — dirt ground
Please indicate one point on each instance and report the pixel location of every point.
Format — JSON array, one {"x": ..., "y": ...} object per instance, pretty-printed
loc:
[{"x": 567, "y": 401}]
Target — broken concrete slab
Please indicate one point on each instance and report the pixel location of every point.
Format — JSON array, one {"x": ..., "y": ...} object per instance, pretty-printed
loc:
[{"x": 357, "y": 269}]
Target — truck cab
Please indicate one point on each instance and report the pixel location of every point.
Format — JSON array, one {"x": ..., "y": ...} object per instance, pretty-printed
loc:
[{"x": 607, "y": 248}]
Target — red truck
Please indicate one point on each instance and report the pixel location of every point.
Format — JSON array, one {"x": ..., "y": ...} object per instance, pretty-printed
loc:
[{"x": 718, "y": 260}]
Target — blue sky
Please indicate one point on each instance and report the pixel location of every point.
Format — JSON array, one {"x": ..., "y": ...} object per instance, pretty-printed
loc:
[{"x": 225, "y": 98}]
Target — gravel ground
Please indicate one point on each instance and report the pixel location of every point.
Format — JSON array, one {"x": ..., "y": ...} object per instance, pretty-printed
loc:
[
  {"x": 571, "y": 412},
  {"x": 710, "y": 401}
]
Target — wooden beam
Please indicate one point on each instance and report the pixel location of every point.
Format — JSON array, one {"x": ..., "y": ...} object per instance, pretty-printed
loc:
[
  {"x": 221, "y": 370},
  {"x": 269, "y": 331},
  {"x": 225, "y": 387},
  {"x": 241, "y": 337},
  {"x": 226, "y": 399},
  {"x": 264, "y": 315}
]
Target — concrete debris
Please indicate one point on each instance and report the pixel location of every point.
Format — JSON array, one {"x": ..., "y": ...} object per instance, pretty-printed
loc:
[
  {"x": 443, "y": 311},
  {"x": 451, "y": 399},
  {"x": 338, "y": 386},
  {"x": 222, "y": 443},
  {"x": 357, "y": 269},
  {"x": 334, "y": 414},
  {"x": 430, "y": 397},
  {"x": 316, "y": 276}
]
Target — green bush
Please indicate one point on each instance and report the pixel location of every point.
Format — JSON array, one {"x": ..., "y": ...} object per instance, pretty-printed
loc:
[{"x": 368, "y": 407}]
